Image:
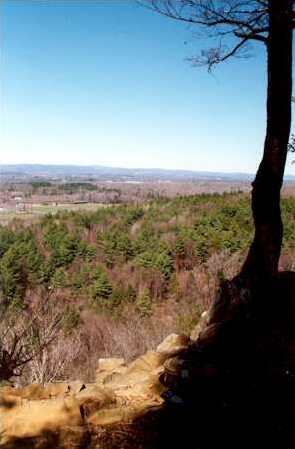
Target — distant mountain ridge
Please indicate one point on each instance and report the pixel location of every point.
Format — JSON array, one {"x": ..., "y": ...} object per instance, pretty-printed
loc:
[{"x": 117, "y": 174}]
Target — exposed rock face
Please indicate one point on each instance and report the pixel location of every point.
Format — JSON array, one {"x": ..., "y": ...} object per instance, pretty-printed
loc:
[
  {"x": 173, "y": 345},
  {"x": 73, "y": 415},
  {"x": 109, "y": 368},
  {"x": 231, "y": 385},
  {"x": 200, "y": 326}
]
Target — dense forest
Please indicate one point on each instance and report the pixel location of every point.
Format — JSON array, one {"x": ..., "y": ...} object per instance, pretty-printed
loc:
[{"x": 116, "y": 280}]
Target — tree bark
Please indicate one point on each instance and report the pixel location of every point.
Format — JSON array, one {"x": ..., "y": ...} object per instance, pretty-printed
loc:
[{"x": 263, "y": 257}]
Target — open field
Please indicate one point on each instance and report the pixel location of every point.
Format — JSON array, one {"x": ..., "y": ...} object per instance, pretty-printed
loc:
[
  {"x": 35, "y": 211},
  {"x": 28, "y": 201}
]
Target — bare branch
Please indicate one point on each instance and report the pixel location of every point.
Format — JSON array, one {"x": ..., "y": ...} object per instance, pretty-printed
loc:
[
  {"x": 29, "y": 333},
  {"x": 244, "y": 20},
  {"x": 214, "y": 56}
]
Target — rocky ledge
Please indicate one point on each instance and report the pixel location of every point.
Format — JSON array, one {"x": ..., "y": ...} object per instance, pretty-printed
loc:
[
  {"x": 106, "y": 414},
  {"x": 232, "y": 384}
]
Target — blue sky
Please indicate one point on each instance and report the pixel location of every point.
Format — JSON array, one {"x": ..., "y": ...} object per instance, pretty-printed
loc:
[{"x": 106, "y": 82}]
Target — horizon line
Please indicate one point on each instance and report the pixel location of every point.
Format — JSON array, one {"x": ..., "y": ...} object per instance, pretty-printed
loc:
[{"x": 119, "y": 167}]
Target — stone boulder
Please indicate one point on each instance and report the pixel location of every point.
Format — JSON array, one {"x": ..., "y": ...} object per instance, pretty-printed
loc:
[
  {"x": 200, "y": 326},
  {"x": 108, "y": 368},
  {"x": 172, "y": 345}
]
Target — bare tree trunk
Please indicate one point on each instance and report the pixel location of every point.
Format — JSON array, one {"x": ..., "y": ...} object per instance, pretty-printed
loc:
[
  {"x": 262, "y": 260},
  {"x": 263, "y": 257}
]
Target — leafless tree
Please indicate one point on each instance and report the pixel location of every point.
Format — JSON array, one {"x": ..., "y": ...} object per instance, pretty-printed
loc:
[
  {"x": 54, "y": 361},
  {"x": 24, "y": 335},
  {"x": 234, "y": 24}
]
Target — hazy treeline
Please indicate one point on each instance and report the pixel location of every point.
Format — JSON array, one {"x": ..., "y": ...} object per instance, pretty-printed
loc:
[{"x": 92, "y": 191}]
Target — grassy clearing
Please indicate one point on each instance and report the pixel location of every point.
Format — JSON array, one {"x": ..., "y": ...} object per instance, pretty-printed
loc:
[{"x": 35, "y": 211}]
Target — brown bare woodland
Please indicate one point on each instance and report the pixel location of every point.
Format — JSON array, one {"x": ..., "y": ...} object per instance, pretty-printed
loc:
[{"x": 25, "y": 336}]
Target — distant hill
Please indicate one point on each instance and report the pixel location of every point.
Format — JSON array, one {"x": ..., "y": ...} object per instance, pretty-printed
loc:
[
  {"x": 115, "y": 174},
  {"x": 102, "y": 173}
]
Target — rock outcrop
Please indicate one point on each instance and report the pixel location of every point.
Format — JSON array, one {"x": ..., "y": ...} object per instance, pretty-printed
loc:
[
  {"x": 232, "y": 384},
  {"x": 77, "y": 415}
]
